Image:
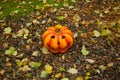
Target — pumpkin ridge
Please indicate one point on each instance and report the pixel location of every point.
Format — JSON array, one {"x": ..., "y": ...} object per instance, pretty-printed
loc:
[
  {"x": 49, "y": 43},
  {"x": 58, "y": 40},
  {"x": 70, "y": 33},
  {"x": 51, "y": 29},
  {"x": 52, "y": 40},
  {"x": 67, "y": 42},
  {"x": 46, "y": 35},
  {"x": 61, "y": 43},
  {"x": 63, "y": 29}
]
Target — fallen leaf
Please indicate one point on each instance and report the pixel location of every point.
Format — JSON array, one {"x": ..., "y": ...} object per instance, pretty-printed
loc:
[
  {"x": 84, "y": 35},
  {"x": 16, "y": 11},
  {"x": 60, "y": 17},
  {"x": 76, "y": 17},
  {"x": 102, "y": 67},
  {"x": 8, "y": 64},
  {"x": 43, "y": 21},
  {"x": 84, "y": 51},
  {"x": 44, "y": 1},
  {"x": 25, "y": 61},
  {"x": 87, "y": 0},
  {"x": 72, "y": 71},
  {"x": 3, "y": 1},
  {"x": 11, "y": 51},
  {"x": 45, "y": 50},
  {"x": 2, "y": 71},
  {"x": 48, "y": 68},
  {"x": 79, "y": 78},
  {"x": 19, "y": 63},
  {"x": 75, "y": 35},
  {"x": 26, "y": 32},
  {"x": 58, "y": 75},
  {"x": 35, "y": 64},
  {"x": 25, "y": 68},
  {"x": 65, "y": 4},
  {"x": 106, "y": 11},
  {"x": 110, "y": 64},
  {"x": 101, "y": 15},
  {"x": 88, "y": 66},
  {"x": 43, "y": 74},
  {"x": 20, "y": 33},
  {"x": 28, "y": 24},
  {"x": 35, "y": 53},
  {"x": 7, "y": 30},
  {"x": 90, "y": 60},
  {"x": 87, "y": 77},
  {"x": 73, "y": 0},
  {"x": 35, "y": 21},
  {"x": 5, "y": 45},
  {"x": 27, "y": 47},
  {"x": 65, "y": 78},
  {"x": 105, "y": 32},
  {"x": 96, "y": 33},
  {"x": 97, "y": 11},
  {"x": 8, "y": 52},
  {"x": 28, "y": 75}
]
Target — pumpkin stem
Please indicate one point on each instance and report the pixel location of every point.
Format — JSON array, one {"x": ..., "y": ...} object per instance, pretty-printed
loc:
[{"x": 58, "y": 28}]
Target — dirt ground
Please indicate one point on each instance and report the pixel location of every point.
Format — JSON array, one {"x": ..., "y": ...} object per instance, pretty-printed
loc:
[{"x": 83, "y": 18}]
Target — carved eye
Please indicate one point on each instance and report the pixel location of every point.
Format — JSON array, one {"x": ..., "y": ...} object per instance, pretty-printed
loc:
[
  {"x": 63, "y": 37},
  {"x": 53, "y": 37}
]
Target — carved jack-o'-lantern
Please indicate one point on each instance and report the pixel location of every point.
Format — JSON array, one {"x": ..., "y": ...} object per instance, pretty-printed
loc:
[{"x": 58, "y": 39}]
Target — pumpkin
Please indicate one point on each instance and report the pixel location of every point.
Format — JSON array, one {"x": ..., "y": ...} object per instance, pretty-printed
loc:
[{"x": 57, "y": 39}]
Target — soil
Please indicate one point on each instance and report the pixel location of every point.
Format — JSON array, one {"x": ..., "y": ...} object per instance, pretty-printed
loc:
[{"x": 104, "y": 51}]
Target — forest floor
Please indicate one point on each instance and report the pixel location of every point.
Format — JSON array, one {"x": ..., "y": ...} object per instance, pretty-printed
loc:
[{"x": 95, "y": 54}]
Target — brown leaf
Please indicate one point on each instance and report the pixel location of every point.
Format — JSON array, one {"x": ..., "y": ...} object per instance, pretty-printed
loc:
[
  {"x": 2, "y": 71},
  {"x": 3, "y": 1},
  {"x": 84, "y": 35},
  {"x": 5, "y": 45},
  {"x": 27, "y": 47}
]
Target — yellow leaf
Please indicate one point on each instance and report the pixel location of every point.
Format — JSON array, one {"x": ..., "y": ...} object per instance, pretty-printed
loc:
[
  {"x": 79, "y": 78},
  {"x": 58, "y": 75},
  {"x": 48, "y": 68}
]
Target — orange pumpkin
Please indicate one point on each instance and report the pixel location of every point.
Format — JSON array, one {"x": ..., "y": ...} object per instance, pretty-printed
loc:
[{"x": 58, "y": 39}]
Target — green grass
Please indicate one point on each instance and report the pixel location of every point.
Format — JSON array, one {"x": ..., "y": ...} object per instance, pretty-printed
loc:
[
  {"x": 19, "y": 8},
  {"x": 24, "y": 7}
]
